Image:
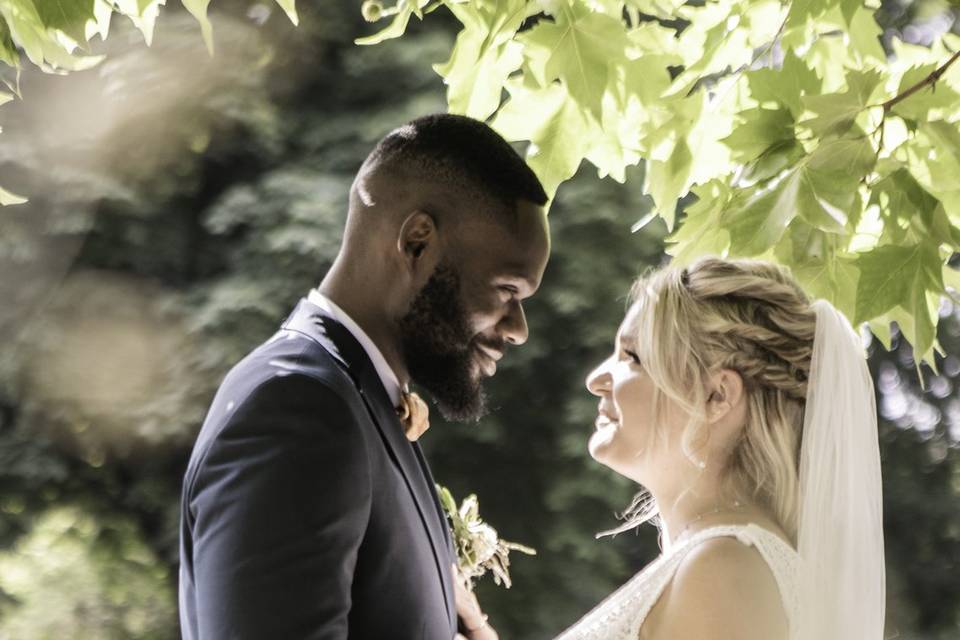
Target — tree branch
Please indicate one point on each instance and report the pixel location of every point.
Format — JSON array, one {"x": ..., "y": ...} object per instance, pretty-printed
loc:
[
  {"x": 929, "y": 80},
  {"x": 735, "y": 76}
]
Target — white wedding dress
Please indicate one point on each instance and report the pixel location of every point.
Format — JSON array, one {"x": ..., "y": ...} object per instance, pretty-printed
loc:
[{"x": 621, "y": 615}]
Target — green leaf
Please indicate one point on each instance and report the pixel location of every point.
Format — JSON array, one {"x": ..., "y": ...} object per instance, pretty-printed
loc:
[
  {"x": 100, "y": 25},
  {"x": 830, "y": 180},
  {"x": 699, "y": 233},
  {"x": 7, "y": 198},
  {"x": 812, "y": 256},
  {"x": 787, "y": 85},
  {"x": 69, "y": 16},
  {"x": 483, "y": 56},
  {"x": 667, "y": 181},
  {"x": 853, "y": 156},
  {"x": 577, "y": 49},
  {"x": 629, "y": 114},
  {"x": 8, "y": 50},
  {"x": 951, "y": 278},
  {"x": 28, "y": 31},
  {"x": 918, "y": 325},
  {"x": 821, "y": 189},
  {"x": 446, "y": 500},
  {"x": 924, "y": 308},
  {"x": 198, "y": 9},
  {"x": 800, "y": 11},
  {"x": 834, "y": 280},
  {"x": 933, "y": 97},
  {"x": 660, "y": 8},
  {"x": 555, "y": 126},
  {"x": 722, "y": 36},
  {"x": 644, "y": 79},
  {"x": 290, "y": 8},
  {"x": 934, "y": 161},
  {"x": 865, "y": 35},
  {"x": 908, "y": 282},
  {"x": 613, "y": 8},
  {"x": 616, "y": 144},
  {"x": 849, "y": 9},
  {"x": 823, "y": 200},
  {"x": 760, "y": 223},
  {"x": 26, "y": 28},
  {"x": 880, "y": 328},
  {"x": 670, "y": 153},
  {"x": 757, "y": 131},
  {"x": 803, "y": 243},
  {"x": 905, "y": 204},
  {"x": 143, "y": 14},
  {"x": 835, "y": 113},
  {"x": 893, "y": 275},
  {"x": 941, "y": 229},
  {"x": 772, "y": 161},
  {"x": 945, "y": 137},
  {"x": 652, "y": 39}
]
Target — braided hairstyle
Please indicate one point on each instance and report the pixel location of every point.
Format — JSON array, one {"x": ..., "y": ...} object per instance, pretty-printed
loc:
[{"x": 748, "y": 316}]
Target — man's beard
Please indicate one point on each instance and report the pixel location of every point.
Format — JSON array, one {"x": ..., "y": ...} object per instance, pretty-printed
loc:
[{"x": 438, "y": 348}]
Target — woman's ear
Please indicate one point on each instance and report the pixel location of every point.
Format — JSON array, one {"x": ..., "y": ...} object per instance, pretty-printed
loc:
[
  {"x": 417, "y": 238},
  {"x": 724, "y": 393}
]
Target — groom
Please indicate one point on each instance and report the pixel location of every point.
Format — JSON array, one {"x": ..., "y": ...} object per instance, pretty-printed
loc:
[{"x": 307, "y": 510}]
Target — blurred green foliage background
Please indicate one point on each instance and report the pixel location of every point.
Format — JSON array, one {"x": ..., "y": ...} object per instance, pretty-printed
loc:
[{"x": 179, "y": 207}]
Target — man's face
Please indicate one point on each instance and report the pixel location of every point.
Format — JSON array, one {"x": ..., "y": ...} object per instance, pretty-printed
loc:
[{"x": 460, "y": 322}]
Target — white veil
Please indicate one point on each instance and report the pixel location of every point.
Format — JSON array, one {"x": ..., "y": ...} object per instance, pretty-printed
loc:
[{"x": 840, "y": 536}]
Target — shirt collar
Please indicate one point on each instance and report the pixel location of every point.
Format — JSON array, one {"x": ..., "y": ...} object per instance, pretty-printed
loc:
[{"x": 387, "y": 376}]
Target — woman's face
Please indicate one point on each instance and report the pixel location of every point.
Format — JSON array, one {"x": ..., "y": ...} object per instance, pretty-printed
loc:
[{"x": 625, "y": 439}]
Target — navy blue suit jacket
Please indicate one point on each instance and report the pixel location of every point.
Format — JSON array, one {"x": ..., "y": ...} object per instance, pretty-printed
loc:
[{"x": 305, "y": 511}]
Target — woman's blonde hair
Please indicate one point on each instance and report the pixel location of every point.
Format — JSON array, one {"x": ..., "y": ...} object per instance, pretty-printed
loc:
[{"x": 748, "y": 316}]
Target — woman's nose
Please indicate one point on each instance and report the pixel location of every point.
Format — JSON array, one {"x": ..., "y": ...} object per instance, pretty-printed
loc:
[{"x": 599, "y": 379}]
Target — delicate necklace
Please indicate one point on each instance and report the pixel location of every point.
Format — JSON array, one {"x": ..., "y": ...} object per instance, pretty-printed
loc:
[{"x": 736, "y": 507}]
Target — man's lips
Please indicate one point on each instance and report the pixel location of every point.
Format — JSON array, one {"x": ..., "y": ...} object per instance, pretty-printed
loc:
[{"x": 487, "y": 359}]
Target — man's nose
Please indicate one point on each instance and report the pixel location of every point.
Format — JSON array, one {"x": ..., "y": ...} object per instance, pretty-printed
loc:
[{"x": 514, "y": 325}]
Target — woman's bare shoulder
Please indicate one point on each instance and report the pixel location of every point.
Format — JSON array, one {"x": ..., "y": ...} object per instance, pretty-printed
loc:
[{"x": 721, "y": 589}]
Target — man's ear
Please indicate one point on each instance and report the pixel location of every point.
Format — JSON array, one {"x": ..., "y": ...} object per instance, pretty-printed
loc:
[
  {"x": 725, "y": 391},
  {"x": 418, "y": 237}
]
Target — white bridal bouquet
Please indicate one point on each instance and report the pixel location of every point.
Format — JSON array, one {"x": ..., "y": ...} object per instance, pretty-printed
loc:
[{"x": 479, "y": 549}]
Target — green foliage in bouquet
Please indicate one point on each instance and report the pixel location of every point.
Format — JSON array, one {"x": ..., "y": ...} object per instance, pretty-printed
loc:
[
  {"x": 479, "y": 549},
  {"x": 795, "y": 136}
]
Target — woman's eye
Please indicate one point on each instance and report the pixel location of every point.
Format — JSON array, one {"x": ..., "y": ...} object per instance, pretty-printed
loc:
[{"x": 633, "y": 355}]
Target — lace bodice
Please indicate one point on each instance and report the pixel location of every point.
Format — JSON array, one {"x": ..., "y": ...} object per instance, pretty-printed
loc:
[{"x": 621, "y": 615}]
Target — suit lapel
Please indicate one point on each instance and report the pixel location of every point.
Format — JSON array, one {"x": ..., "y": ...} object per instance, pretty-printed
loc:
[
  {"x": 445, "y": 529},
  {"x": 312, "y": 321}
]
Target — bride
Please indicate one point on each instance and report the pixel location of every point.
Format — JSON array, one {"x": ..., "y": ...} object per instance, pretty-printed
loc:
[{"x": 747, "y": 416}]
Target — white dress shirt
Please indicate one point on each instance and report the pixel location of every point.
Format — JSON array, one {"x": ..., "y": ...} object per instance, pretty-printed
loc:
[{"x": 387, "y": 376}]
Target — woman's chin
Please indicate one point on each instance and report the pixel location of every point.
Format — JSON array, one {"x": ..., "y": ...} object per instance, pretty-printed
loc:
[
  {"x": 601, "y": 442},
  {"x": 606, "y": 448}
]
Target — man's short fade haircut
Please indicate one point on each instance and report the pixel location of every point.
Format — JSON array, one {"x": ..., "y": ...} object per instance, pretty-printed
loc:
[{"x": 463, "y": 153}]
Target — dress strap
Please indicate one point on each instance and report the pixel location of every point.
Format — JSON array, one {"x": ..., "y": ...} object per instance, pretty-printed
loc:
[
  {"x": 782, "y": 559},
  {"x": 622, "y": 614}
]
